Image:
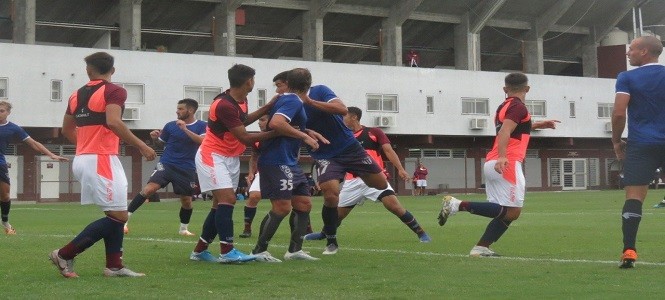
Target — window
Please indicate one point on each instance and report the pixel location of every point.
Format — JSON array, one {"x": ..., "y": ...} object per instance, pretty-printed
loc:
[
  {"x": 555, "y": 171},
  {"x": 438, "y": 153},
  {"x": 56, "y": 90},
  {"x": 532, "y": 153},
  {"x": 203, "y": 94},
  {"x": 475, "y": 106},
  {"x": 262, "y": 97},
  {"x": 571, "y": 109},
  {"x": 382, "y": 103},
  {"x": 536, "y": 108},
  {"x": 605, "y": 110},
  {"x": 135, "y": 92},
  {"x": 430, "y": 104},
  {"x": 3, "y": 88}
]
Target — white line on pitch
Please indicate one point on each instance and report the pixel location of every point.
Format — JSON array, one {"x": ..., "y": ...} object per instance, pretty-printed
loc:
[{"x": 528, "y": 259}]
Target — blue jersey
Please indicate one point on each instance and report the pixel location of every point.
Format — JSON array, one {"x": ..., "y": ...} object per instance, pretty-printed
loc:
[
  {"x": 8, "y": 132},
  {"x": 331, "y": 126},
  {"x": 646, "y": 109},
  {"x": 180, "y": 149},
  {"x": 283, "y": 150}
]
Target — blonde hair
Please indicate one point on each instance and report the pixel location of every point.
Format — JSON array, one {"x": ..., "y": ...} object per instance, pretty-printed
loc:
[{"x": 6, "y": 104}]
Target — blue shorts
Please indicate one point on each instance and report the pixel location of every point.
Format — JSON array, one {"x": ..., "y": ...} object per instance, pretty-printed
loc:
[
  {"x": 4, "y": 173},
  {"x": 184, "y": 181},
  {"x": 641, "y": 162},
  {"x": 281, "y": 182},
  {"x": 354, "y": 159}
]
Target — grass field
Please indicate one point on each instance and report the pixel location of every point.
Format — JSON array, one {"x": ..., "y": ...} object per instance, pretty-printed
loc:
[{"x": 565, "y": 245}]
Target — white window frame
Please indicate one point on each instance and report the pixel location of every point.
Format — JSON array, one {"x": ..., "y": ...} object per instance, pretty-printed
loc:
[
  {"x": 430, "y": 104},
  {"x": 605, "y": 110},
  {"x": 56, "y": 93},
  {"x": 534, "y": 106},
  {"x": 485, "y": 102},
  {"x": 130, "y": 100},
  {"x": 4, "y": 95},
  {"x": 382, "y": 98},
  {"x": 201, "y": 91},
  {"x": 571, "y": 109},
  {"x": 261, "y": 97}
]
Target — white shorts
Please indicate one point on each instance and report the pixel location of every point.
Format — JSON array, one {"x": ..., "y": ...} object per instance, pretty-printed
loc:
[
  {"x": 222, "y": 174},
  {"x": 256, "y": 184},
  {"x": 421, "y": 183},
  {"x": 505, "y": 189},
  {"x": 355, "y": 191},
  {"x": 105, "y": 184}
]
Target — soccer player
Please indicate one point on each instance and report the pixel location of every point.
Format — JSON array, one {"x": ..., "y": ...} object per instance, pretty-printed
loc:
[
  {"x": 218, "y": 163},
  {"x": 93, "y": 121},
  {"x": 504, "y": 178},
  {"x": 420, "y": 175},
  {"x": 641, "y": 93},
  {"x": 282, "y": 180},
  {"x": 8, "y": 132},
  {"x": 343, "y": 155},
  {"x": 355, "y": 191},
  {"x": 181, "y": 139}
]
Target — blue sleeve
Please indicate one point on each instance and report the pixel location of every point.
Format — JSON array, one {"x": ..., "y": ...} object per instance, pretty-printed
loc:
[
  {"x": 20, "y": 133},
  {"x": 623, "y": 84},
  {"x": 322, "y": 93},
  {"x": 166, "y": 132},
  {"x": 200, "y": 127},
  {"x": 288, "y": 106}
]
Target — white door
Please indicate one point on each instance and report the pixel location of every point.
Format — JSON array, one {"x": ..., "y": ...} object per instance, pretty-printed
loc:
[
  {"x": 12, "y": 168},
  {"x": 574, "y": 172},
  {"x": 50, "y": 178}
]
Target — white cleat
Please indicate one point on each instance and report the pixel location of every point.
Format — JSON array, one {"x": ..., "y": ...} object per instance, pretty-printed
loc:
[
  {"x": 330, "y": 249},
  {"x": 185, "y": 232},
  {"x": 299, "y": 255},
  {"x": 265, "y": 256},
  {"x": 449, "y": 207},
  {"x": 480, "y": 251},
  {"x": 124, "y": 272}
]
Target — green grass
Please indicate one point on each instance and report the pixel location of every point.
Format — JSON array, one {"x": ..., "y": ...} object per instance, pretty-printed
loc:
[{"x": 565, "y": 245}]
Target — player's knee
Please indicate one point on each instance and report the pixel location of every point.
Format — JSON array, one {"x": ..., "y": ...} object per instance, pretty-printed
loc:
[
  {"x": 512, "y": 214},
  {"x": 281, "y": 207}
]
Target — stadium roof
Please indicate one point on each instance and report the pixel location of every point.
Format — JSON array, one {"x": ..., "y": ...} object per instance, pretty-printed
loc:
[{"x": 351, "y": 28}]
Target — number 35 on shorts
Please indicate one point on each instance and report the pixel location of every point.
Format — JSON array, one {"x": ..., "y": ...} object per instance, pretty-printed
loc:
[{"x": 286, "y": 184}]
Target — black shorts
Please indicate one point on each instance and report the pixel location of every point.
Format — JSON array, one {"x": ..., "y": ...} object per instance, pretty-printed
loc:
[
  {"x": 281, "y": 182},
  {"x": 4, "y": 173},
  {"x": 641, "y": 162},
  {"x": 184, "y": 181},
  {"x": 354, "y": 159}
]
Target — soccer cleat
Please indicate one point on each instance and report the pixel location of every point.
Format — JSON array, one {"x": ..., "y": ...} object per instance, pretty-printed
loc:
[
  {"x": 314, "y": 236},
  {"x": 480, "y": 251},
  {"x": 66, "y": 267},
  {"x": 628, "y": 259},
  {"x": 246, "y": 234},
  {"x": 235, "y": 256},
  {"x": 204, "y": 255},
  {"x": 124, "y": 272},
  {"x": 185, "y": 232},
  {"x": 125, "y": 229},
  {"x": 449, "y": 207},
  {"x": 300, "y": 255},
  {"x": 10, "y": 230},
  {"x": 265, "y": 256},
  {"x": 424, "y": 238},
  {"x": 330, "y": 249},
  {"x": 660, "y": 204}
]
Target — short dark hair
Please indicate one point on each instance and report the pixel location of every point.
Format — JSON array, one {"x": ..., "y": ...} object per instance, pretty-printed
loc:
[
  {"x": 102, "y": 62},
  {"x": 282, "y": 76},
  {"x": 299, "y": 79},
  {"x": 516, "y": 81},
  {"x": 239, "y": 74},
  {"x": 356, "y": 112},
  {"x": 189, "y": 103}
]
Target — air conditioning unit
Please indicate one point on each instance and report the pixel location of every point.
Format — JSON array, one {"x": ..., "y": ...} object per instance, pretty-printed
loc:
[
  {"x": 478, "y": 124},
  {"x": 131, "y": 114},
  {"x": 384, "y": 121},
  {"x": 202, "y": 114},
  {"x": 608, "y": 127}
]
